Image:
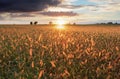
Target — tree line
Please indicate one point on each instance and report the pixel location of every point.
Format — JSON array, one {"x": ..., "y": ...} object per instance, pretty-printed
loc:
[{"x": 109, "y": 23}]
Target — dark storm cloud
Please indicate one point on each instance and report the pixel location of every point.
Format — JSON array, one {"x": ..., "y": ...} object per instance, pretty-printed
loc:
[
  {"x": 56, "y": 14},
  {"x": 26, "y": 5}
]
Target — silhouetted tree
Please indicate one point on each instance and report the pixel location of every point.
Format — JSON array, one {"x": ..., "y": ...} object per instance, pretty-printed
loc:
[
  {"x": 116, "y": 23},
  {"x": 31, "y": 23},
  {"x": 102, "y": 23},
  {"x": 74, "y": 23},
  {"x": 50, "y": 23},
  {"x": 109, "y": 23},
  {"x": 35, "y": 23}
]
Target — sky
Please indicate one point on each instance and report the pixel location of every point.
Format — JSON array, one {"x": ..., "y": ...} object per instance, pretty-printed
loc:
[{"x": 72, "y": 11}]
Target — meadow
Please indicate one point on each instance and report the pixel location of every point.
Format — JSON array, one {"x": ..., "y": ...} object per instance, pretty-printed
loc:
[{"x": 45, "y": 52}]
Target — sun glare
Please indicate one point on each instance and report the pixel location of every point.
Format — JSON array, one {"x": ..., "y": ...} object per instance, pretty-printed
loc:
[
  {"x": 60, "y": 26},
  {"x": 60, "y": 23}
]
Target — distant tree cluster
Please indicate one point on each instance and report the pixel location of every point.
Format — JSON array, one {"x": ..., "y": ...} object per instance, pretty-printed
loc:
[
  {"x": 74, "y": 23},
  {"x": 110, "y": 23},
  {"x": 33, "y": 23},
  {"x": 50, "y": 23}
]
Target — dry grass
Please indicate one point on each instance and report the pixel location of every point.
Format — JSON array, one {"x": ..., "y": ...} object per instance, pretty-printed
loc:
[{"x": 49, "y": 53}]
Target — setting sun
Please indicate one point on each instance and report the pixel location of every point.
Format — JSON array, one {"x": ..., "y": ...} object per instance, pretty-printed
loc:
[{"x": 61, "y": 23}]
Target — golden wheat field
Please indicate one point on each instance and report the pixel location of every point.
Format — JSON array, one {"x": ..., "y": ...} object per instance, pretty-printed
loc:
[{"x": 45, "y": 52}]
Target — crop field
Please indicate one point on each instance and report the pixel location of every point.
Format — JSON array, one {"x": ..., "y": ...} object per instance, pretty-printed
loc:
[{"x": 46, "y": 52}]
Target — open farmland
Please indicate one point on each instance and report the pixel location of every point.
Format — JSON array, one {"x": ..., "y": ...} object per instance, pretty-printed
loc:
[{"x": 44, "y": 52}]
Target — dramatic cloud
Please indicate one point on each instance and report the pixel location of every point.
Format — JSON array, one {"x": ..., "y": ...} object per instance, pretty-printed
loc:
[
  {"x": 26, "y": 5},
  {"x": 15, "y": 15},
  {"x": 47, "y": 10},
  {"x": 57, "y": 14}
]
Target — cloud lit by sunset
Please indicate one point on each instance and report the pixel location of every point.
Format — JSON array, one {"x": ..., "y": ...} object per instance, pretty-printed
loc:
[{"x": 79, "y": 11}]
